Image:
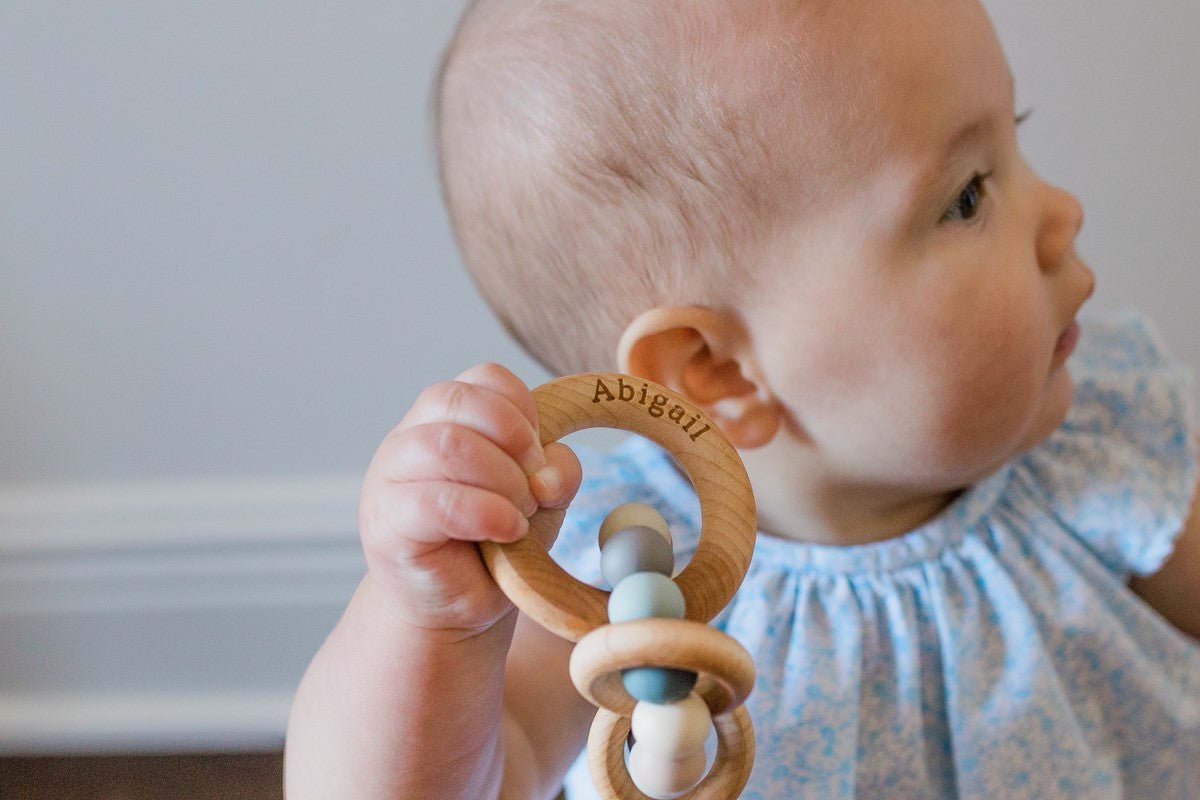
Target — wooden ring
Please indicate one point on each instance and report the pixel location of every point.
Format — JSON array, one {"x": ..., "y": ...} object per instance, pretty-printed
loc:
[
  {"x": 726, "y": 671},
  {"x": 725, "y": 779},
  {"x": 571, "y": 608}
]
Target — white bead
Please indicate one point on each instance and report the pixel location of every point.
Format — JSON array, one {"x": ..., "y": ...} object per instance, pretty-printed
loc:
[
  {"x": 669, "y": 730},
  {"x": 665, "y": 778},
  {"x": 629, "y": 514}
]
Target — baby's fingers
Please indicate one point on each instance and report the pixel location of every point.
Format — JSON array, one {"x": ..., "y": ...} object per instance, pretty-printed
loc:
[
  {"x": 440, "y": 451},
  {"x": 407, "y": 520},
  {"x": 556, "y": 484},
  {"x": 482, "y": 410},
  {"x": 503, "y": 382}
]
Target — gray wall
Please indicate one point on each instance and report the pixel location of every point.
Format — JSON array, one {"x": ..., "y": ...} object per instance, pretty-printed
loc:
[
  {"x": 221, "y": 243},
  {"x": 222, "y": 251}
]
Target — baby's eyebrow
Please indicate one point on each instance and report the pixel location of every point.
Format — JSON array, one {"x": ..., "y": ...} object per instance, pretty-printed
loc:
[
  {"x": 935, "y": 178},
  {"x": 966, "y": 136},
  {"x": 963, "y": 139},
  {"x": 938, "y": 177},
  {"x": 975, "y": 129}
]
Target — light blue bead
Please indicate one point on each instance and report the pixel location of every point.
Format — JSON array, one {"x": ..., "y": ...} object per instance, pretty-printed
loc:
[
  {"x": 635, "y": 549},
  {"x": 645, "y": 594},
  {"x": 660, "y": 685}
]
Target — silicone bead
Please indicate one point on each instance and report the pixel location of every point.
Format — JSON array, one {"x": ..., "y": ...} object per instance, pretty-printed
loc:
[
  {"x": 645, "y": 594},
  {"x": 630, "y": 514},
  {"x": 658, "y": 684},
  {"x": 672, "y": 730},
  {"x": 665, "y": 779},
  {"x": 636, "y": 549}
]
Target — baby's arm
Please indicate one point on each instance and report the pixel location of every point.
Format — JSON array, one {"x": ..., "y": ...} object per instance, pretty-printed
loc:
[
  {"x": 548, "y": 719},
  {"x": 381, "y": 714},
  {"x": 1174, "y": 591},
  {"x": 411, "y": 696}
]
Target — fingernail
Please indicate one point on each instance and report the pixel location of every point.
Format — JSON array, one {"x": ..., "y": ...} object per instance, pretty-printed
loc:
[
  {"x": 548, "y": 481},
  {"x": 529, "y": 506},
  {"x": 534, "y": 458}
]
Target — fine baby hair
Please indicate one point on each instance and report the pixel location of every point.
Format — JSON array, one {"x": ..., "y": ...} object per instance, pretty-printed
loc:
[{"x": 643, "y": 647}]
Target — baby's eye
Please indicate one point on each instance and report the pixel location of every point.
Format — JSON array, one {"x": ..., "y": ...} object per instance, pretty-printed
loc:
[{"x": 967, "y": 204}]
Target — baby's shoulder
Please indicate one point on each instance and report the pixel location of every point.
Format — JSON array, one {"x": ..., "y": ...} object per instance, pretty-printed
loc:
[
  {"x": 1121, "y": 470},
  {"x": 1120, "y": 342}
]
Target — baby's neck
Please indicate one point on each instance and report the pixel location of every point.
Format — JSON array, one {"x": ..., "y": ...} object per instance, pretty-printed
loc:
[
  {"x": 846, "y": 517},
  {"x": 815, "y": 508}
]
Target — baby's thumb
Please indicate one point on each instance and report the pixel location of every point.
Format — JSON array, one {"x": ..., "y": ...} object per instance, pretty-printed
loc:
[{"x": 555, "y": 484}]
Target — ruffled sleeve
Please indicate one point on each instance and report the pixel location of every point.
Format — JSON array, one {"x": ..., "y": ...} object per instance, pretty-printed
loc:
[
  {"x": 627, "y": 474},
  {"x": 1121, "y": 472}
]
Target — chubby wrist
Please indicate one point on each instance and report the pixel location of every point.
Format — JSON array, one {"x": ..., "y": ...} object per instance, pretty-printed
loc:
[
  {"x": 382, "y": 691},
  {"x": 376, "y": 613}
]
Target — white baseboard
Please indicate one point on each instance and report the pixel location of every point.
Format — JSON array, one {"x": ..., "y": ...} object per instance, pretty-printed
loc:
[
  {"x": 99, "y": 724},
  {"x": 166, "y": 616}
]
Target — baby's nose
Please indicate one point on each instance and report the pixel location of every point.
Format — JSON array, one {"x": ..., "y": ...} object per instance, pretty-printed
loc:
[{"x": 1062, "y": 219}]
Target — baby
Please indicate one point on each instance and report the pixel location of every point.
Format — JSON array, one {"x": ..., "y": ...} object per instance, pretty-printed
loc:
[{"x": 975, "y": 577}]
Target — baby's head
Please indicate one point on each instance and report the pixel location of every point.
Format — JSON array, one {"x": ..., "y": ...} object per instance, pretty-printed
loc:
[
  {"x": 601, "y": 158},
  {"x": 810, "y": 215}
]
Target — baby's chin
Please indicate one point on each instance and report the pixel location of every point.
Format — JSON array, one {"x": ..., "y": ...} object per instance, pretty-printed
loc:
[
  {"x": 1055, "y": 405},
  {"x": 1043, "y": 419}
]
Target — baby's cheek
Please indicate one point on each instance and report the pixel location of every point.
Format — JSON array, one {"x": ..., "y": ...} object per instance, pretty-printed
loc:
[{"x": 967, "y": 421}]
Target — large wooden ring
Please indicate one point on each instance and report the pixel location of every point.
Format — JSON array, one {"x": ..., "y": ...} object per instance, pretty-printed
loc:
[
  {"x": 571, "y": 608},
  {"x": 726, "y": 671},
  {"x": 726, "y": 778}
]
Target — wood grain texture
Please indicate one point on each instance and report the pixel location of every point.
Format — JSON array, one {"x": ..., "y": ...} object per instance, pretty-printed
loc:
[
  {"x": 217, "y": 776},
  {"x": 571, "y": 608},
  {"x": 244, "y": 776},
  {"x": 726, "y": 778},
  {"x": 725, "y": 668}
]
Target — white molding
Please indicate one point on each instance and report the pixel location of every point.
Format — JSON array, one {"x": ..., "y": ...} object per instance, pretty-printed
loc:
[
  {"x": 48, "y": 517},
  {"x": 98, "y": 580},
  {"x": 76, "y": 723}
]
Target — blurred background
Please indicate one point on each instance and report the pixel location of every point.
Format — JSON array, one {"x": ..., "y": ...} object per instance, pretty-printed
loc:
[{"x": 225, "y": 273}]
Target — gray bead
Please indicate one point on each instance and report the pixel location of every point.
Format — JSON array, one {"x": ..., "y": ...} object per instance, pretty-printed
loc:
[
  {"x": 660, "y": 685},
  {"x": 635, "y": 549},
  {"x": 645, "y": 594}
]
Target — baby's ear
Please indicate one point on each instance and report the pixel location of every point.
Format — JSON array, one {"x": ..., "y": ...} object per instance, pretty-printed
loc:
[{"x": 706, "y": 356}]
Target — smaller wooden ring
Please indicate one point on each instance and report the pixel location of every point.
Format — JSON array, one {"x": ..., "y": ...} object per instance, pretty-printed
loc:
[
  {"x": 725, "y": 779},
  {"x": 725, "y": 668}
]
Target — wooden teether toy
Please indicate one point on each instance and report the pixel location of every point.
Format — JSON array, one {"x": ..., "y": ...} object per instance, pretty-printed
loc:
[{"x": 645, "y": 654}]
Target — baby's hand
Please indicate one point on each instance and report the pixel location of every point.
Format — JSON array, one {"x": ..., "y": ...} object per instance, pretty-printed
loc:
[{"x": 464, "y": 465}]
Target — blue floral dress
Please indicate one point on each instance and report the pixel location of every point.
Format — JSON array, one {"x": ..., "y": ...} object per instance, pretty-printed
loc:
[{"x": 994, "y": 652}]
